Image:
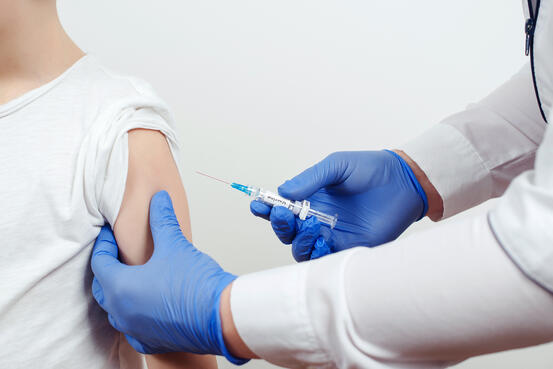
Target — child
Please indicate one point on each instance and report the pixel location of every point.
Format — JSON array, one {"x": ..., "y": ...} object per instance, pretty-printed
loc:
[{"x": 79, "y": 146}]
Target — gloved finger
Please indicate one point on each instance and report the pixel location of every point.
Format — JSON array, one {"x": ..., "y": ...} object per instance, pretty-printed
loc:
[
  {"x": 261, "y": 210},
  {"x": 104, "y": 262},
  {"x": 304, "y": 243},
  {"x": 164, "y": 225},
  {"x": 113, "y": 323},
  {"x": 283, "y": 222},
  {"x": 98, "y": 293},
  {"x": 327, "y": 172},
  {"x": 320, "y": 249},
  {"x": 137, "y": 345}
]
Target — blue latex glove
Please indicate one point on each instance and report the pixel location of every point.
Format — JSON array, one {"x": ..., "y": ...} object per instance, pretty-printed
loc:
[
  {"x": 375, "y": 194},
  {"x": 171, "y": 303}
]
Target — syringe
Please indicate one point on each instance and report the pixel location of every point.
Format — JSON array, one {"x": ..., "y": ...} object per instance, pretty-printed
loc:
[{"x": 300, "y": 208}]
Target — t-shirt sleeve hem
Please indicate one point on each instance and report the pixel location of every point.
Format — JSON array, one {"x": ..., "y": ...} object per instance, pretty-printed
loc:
[{"x": 112, "y": 172}]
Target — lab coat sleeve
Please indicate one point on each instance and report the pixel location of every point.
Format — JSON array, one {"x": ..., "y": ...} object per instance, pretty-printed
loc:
[
  {"x": 523, "y": 217},
  {"x": 472, "y": 156},
  {"x": 425, "y": 301}
]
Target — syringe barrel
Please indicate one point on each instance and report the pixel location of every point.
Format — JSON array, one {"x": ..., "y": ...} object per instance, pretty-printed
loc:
[
  {"x": 300, "y": 208},
  {"x": 272, "y": 199}
]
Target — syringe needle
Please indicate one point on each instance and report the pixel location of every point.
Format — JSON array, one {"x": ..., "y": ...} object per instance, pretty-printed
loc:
[{"x": 208, "y": 176}]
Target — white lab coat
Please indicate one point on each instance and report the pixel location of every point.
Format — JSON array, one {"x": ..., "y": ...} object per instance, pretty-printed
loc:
[{"x": 458, "y": 290}]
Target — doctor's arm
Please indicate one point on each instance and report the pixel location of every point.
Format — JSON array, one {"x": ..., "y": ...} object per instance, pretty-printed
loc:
[
  {"x": 458, "y": 290},
  {"x": 438, "y": 297},
  {"x": 428, "y": 301}
]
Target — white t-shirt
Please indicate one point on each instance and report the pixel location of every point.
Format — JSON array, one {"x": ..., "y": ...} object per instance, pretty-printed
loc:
[{"x": 63, "y": 167}]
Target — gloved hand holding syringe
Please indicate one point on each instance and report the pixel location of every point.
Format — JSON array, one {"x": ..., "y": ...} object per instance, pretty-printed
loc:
[{"x": 302, "y": 209}]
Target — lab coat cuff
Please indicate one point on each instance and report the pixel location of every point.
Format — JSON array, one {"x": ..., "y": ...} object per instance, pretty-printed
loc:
[
  {"x": 270, "y": 313},
  {"x": 453, "y": 166}
]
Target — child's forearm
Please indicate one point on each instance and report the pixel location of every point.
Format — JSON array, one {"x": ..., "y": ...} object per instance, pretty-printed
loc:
[{"x": 179, "y": 360}]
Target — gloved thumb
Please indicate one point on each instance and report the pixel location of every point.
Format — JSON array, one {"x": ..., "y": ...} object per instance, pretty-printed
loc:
[
  {"x": 164, "y": 225},
  {"x": 104, "y": 262},
  {"x": 327, "y": 172}
]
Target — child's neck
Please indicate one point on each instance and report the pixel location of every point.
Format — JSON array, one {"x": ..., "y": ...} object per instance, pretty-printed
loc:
[{"x": 34, "y": 50}]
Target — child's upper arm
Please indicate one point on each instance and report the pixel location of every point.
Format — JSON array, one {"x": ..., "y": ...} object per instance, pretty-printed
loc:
[{"x": 151, "y": 168}]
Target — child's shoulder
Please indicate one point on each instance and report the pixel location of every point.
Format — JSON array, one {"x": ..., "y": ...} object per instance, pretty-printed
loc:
[
  {"x": 104, "y": 82},
  {"x": 109, "y": 95}
]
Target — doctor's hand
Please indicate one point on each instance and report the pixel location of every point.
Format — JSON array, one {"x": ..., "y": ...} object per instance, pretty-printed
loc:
[
  {"x": 376, "y": 195},
  {"x": 171, "y": 303}
]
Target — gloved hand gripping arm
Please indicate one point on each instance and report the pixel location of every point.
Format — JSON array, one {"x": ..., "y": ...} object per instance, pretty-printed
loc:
[
  {"x": 376, "y": 194},
  {"x": 182, "y": 313}
]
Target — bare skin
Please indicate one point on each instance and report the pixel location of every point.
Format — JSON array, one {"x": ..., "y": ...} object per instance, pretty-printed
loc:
[
  {"x": 34, "y": 48},
  {"x": 234, "y": 342},
  {"x": 435, "y": 202}
]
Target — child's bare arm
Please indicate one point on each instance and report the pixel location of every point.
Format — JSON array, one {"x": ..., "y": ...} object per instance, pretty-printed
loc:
[{"x": 151, "y": 169}]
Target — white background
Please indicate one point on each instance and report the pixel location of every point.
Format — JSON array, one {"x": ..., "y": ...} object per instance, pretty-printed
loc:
[{"x": 263, "y": 89}]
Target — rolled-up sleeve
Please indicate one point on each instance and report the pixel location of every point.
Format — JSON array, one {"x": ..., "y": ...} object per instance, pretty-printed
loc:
[
  {"x": 105, "y": 153},
  {"x": 472, "y": 156}
]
